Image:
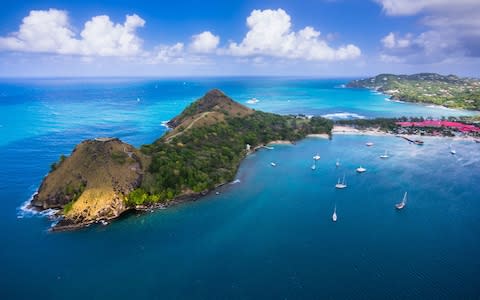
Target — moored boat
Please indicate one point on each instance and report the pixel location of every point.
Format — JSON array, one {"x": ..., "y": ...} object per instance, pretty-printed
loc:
[{"x": 361, "y": 169}]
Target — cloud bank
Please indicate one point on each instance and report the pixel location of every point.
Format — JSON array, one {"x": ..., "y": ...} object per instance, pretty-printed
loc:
[
  {"x": 453, "y": 30},
  {"x": 49, "y": 31},
  {"x": 270, "y": 34}
]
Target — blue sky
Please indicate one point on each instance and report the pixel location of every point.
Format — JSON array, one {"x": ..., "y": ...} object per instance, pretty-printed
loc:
[{"x": 223, "y": 38}]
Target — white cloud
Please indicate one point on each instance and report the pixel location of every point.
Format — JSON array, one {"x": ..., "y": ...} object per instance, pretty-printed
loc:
[
  {"x": 102, "y": 37},
  {"x": 168, "y": 54},
  {"x": 270, "y": 34},
  {"x": 204, "y": 42},
  {"x": 391, "y": 41},
  {"x": 453, "y": 30},
  {"x": 49, "y": 31}
]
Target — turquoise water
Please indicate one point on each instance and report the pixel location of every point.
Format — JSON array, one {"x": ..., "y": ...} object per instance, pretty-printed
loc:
[{"x": 268, "y": 236}]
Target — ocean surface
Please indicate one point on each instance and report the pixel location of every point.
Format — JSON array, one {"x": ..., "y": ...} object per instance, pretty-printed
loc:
[{"x": 267, "y": 236}]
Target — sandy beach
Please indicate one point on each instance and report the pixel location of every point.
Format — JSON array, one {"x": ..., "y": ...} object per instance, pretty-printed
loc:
[
  {"x": 320, "y": 136},
  {"x": 351, "y": 130}
]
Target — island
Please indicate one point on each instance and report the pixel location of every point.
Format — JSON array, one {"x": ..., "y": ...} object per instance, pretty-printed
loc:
[
  {"x": 430, "y": 88},
  {"x": 104, "y": 177}
]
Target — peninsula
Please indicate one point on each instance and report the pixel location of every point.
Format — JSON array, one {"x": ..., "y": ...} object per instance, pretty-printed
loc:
[
  {"x": 430, "y": 88},
  {"x": 105, "y": 177}
]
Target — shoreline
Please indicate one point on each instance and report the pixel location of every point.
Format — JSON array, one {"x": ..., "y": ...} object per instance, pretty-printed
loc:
[
  {"x": 348, "y": 130},
  {"x": 391, "y": 98}
]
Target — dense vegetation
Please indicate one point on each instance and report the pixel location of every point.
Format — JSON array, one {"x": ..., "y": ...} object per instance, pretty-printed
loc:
[
  {"x": 203, "y": 157},
  {"x": 450, "y": 91},
  {"x": 385, "y": 124}
]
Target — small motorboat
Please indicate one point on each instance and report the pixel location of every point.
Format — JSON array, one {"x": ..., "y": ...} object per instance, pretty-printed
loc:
[
  {"x": 361, "y": 169},
  {"x": 369, "y": 144},
  {"x": 316, "y": 157},
  {"x": 273, "y": 164},
  {"x": 403, "y": 203}
]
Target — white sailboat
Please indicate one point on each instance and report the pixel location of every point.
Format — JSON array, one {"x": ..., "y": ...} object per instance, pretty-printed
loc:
[
  {"x": 384, "y": 155},
  {"x": 403, "y": 203},
  {"x": 341, "y": 185},
  {"x": 334, "y": 216},
  {"x": 361, "y": 169}
]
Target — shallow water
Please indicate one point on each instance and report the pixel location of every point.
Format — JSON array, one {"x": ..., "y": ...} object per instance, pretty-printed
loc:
[{"x": 268, "y": 236}]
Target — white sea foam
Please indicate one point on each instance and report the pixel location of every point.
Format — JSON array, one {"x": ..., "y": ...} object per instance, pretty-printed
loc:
[
  {"x": 26, "y": 210},
  {"x": 343, "y": 116},
  {"x": 165, "y": 124},
  {"x": 235, "y": 181}
]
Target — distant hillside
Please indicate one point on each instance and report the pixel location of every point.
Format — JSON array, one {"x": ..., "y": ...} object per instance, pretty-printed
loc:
[
  {"x": 450, "y": 91},
  {"x": 103, "y": 178}
]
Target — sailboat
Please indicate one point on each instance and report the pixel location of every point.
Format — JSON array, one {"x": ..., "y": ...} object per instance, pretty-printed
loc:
[
  {"x": 403, "y": 203},
  {"x": 384, "y": 155},
  {"x": 361, "y": 169},
  {"x": 334, "y": 216},
  {"x": 341, "y": 185}
]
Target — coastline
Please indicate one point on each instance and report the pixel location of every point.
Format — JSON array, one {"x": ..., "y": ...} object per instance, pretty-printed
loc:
[
  {"x": 348, "y": 130},
  {"x": 63, "y": 225},
  {"x": 391, "y": 98}
]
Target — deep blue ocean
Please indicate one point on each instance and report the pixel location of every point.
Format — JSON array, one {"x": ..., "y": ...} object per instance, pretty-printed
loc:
[{"x": 268, "y": 236}]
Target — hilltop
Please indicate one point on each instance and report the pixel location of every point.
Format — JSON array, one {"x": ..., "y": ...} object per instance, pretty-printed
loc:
[
  {"x": 90, "y": 184},
  {"x": 450, "y": 90},
  {"x": 103, "y": 178}
]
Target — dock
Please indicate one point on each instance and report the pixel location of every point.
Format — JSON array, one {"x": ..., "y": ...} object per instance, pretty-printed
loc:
[{"x": 416, "y": 142}]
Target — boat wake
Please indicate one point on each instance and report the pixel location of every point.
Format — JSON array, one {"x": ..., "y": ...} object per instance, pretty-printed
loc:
[{"x": 343, "y": 116}]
